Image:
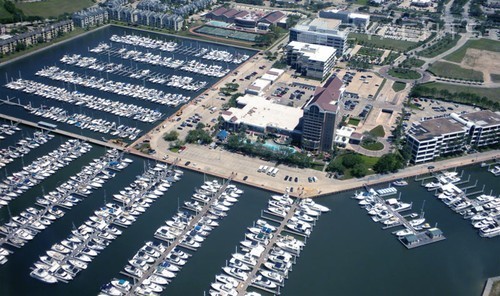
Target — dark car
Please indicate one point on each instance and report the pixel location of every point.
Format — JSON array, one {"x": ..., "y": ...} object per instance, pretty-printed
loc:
[
  {"x": 286, "y": 178},
  {"x": 245, "y": 178},
  {"x": 431, "y": 167},
  {"x": 187, "y": 163},
  {"x": 296, "y": 179}
]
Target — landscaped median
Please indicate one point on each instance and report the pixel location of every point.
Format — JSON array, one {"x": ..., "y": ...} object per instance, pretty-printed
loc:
[
  {"x": 404, "y": 73},
  {"x": 452, "y": 71}
]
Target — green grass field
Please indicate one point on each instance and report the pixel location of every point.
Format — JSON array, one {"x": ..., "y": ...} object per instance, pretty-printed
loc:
[
  {"x": 353, "y": 121},
  {"x": 376, "y": 146},
  {"x": 4, "y": 14},
  {"x": 398, "y": 86},
  {"x": 448, "y": 70},
  {"x": 378, "y": 131},
  {"x": 371, "y": 52},
  {"x": 368, "y": 161},
  {"x": 53, "y": 8},
  {"x": 377, "y": 41},
  {"x": 403, "y": 73},
  {"x": 412, "y": 62},
  {"x": 439, "y": 47},
  {"x": 495, "y": 77},
  {"x": 484, "y": 44},
  {"x": 490, "y": 93}
]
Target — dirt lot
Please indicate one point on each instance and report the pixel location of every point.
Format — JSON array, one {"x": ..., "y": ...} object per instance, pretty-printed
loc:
[{"x": 482, "y": 60}]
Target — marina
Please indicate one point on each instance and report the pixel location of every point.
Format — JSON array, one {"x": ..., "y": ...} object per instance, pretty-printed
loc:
[
  {"x": 169, "y": 46},
  {"x": 192, "y": 66},
  {"x": 182, "y": 82},
  {"x": 415, "y": 233},
  {"x": 23, "y": 147},
  {"x": 34, "y": 173},
  {"x": 153, "y": 271},
  {"x": 77, "y": 98},
  {"x": 120, "y": 88},
  {"x": 483, "y": 210},
  {"x": 267, "y": 253},
  {"x": 20, "y": 229},
  {"x": 81, "y": 121},
  {"x": 66, "y": 259}
]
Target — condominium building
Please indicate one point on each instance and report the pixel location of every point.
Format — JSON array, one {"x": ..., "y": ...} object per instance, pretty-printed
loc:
[
  {"x": 90, "y": 17},
  {"x": 435, "y": 137},
  {"x": 41, "y": 34},
  {"x": 322, "y": 32},
  {"x": 484, "y": 127},
  {"x": 309, "y": 59},
  {"x": 322, "y": 115},
  {"x": 441, "y": 136}
]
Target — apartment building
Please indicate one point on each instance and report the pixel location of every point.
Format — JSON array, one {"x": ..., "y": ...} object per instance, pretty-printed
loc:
[{"x": 459, "y": 132}]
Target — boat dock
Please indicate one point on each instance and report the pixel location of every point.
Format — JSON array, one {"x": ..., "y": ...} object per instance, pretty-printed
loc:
[
  {"x": 178, "y": 241},
  {"x": 62, "y": 132},
  {"x": 415, "y": 236},
  {"x": 248, "y": 282}
]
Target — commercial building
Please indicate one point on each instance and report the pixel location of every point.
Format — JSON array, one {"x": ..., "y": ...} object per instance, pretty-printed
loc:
[
  {"x": 321, "y": 31},
  {"x": 322, "y": 115},
  {"x": 261, "y": 115},
  {"x": 310, "y": 60},
  {"x": 347, "y": 17},
  {"x": 258, "y": 87},
  {"x": 246, "y": 19},
  {"x": 437, "y": 137},
  {"x": 421, "y": 3}
]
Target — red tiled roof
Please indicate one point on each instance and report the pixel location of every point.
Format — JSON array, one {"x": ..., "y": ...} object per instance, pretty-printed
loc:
[
  {"x": 231, "y": 13},
  {"x": 273, "y": 17},
  {"x": 330, "y": 92},
  {"x": 241, "y": 14},
  {"x": 219, "y": 11}
]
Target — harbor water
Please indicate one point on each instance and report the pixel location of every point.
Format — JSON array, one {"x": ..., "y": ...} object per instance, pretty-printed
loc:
[{"x": 347, "y": 253}]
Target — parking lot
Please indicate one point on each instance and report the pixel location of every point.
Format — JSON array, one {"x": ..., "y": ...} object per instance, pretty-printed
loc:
[
  {"x": 290, "y": 94},
  {"x": 432, "y": 109}
]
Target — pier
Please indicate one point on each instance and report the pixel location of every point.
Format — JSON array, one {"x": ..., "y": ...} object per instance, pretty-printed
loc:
[
  {"x": 243, "y": 286},
  {"x": 178, "y": 240},
  {"x": 63, "y": 133}
]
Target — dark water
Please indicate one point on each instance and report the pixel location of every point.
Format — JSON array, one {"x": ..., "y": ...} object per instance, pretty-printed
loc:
[
  {"x": 27, "y": 67},
  {"x": 347, "y": 254}
]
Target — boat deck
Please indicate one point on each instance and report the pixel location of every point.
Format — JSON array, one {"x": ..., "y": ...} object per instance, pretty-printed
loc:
[
  {"x": 248, "y": 282},
  {"x": 178, "y": 240}
]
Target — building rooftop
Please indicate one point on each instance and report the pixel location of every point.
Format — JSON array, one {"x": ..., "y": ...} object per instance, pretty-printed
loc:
[
  {"x": 436, "y": 127},
  {"x": 273, "y": 16},
  {"x": 219, "y": 11},
  {"x": 260, "y": 112},
  {"x": 314, "y": 52},
  {"x": 483, "y": 118},
  {"x": 328, "y": 95},
  {"x": 325, "y": 24}
]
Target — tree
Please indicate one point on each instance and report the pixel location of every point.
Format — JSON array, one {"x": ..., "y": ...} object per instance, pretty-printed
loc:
[
  {"x": 350, "y": 160},
  {"x": 200, "y": 126},
  {"x": 198, "y": 136},
  {"x": 390, "y": 162},
  {"x": 359, "y": 170},
  {"x": 171, "y": 136}
]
